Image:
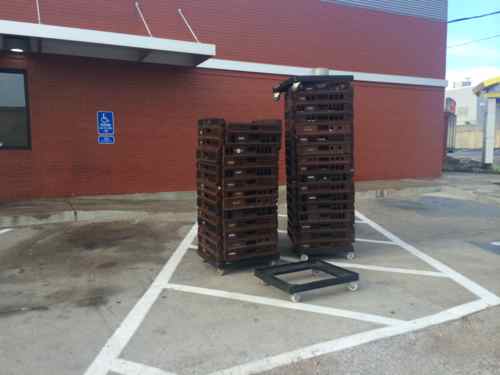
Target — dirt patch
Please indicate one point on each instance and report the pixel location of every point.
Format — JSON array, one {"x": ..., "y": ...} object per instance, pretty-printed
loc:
[
  {"x": 7, "y": 311},
  {"x": 78, "y": 247},
  {"x": 84, "y": 296},
  {"x": 467, "y": 165},
  {"x": 95, "y": 297},
  {"x": 406, "y": 205},
  {"x": 85, "y": 265},
  {"x": 107, "y": 265},
  {"x": 108, "y": 235}
]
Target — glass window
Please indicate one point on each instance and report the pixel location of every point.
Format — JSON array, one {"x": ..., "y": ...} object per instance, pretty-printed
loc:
[{"x": 14, "y": 119}]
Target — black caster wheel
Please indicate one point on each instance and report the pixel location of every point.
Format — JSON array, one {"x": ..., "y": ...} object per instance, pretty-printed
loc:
[
  {"x": 221, "y": 271},
  {"x": 350, "y": 255},
  {"x": 353, "y": 286}
]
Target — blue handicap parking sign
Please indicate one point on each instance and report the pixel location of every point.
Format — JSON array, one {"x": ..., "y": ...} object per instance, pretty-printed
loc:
[
  {"x": 106, "y": 139},
  {"x": 105, "y": 122}
]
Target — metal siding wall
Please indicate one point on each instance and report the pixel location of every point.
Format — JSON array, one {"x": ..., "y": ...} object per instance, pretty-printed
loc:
[{"x": 434, "y": 9}]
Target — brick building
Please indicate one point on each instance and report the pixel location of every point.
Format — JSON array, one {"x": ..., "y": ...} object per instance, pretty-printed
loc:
[{"x": 63, "y": 61}]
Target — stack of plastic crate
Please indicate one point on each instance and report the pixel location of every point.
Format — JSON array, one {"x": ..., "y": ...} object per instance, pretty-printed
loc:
[
  {"x": 320, "y": 164},
  {"x": 237, "y": 182}
]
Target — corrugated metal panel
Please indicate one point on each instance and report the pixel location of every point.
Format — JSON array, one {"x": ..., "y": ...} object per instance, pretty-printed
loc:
[{"x": 434, "y": 9}]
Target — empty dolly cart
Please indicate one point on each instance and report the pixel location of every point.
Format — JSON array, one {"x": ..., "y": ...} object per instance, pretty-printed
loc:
[{"x": 272, "y": 276}]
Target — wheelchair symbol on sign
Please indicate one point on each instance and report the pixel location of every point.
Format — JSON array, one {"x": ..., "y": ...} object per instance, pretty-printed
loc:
[
  {"x": 104, "y": 119},
  {"x": 105, "y": 123}
]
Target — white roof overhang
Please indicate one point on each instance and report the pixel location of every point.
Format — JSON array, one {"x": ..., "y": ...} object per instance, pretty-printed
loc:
[{"x": 106, "y": 45}]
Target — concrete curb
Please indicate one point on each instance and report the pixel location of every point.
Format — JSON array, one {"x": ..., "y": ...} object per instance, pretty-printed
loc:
[
  {"x": 72, "y": 216},
  {"x": 14, "y": 221},
  {"x": 384, "y": 193}
]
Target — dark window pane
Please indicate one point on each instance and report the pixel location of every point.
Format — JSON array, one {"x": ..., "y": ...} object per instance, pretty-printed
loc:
[{"x": 14, "y": 132}]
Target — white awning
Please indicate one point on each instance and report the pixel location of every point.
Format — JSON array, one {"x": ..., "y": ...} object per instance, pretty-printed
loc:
[{"x": 106, "y": 45}]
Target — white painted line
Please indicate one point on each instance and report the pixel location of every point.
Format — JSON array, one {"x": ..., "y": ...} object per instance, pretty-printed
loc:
[
  {"x": 193, "y": 247},
  {"x": 282, "y": 231},
  {"x": 389, "y": 269},
  {"x": 6, "y": 230},
  {"x": 352, "y": 341},
  {"x": 286, "y": 304},
  {"x": 360, "y": 222},
  {"x": 124, "y": 367},
  {"x": 468, "y": 284},
  {"x": 281, "y": 215},
  {"x": 376, "y": 241},
  {"x": 116, "y": 343}
]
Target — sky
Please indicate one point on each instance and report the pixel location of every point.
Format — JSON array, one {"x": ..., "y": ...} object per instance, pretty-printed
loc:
[{"x": 481, "y": 60}]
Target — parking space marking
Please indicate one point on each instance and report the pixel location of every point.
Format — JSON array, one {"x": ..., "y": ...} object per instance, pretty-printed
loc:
[
  {"x": 358, "y": 239},
  {"x": 376, "y": 268},
  {"x": 108, "y": 358},
  {"x": 389, "y": 269},
  {"x": 6, "y": 230},
  {"x": 124, "y": 367},
  {"x": 120, "y": 338},
  {"x": 193, "y": 247},
  {"x": 347, "y": 342},
  {"x": 376, "y": 241},
  {"x": 460, "y": 279},
  {"x": 357, "y": 221},
  {"x": 377, "y": 319}
]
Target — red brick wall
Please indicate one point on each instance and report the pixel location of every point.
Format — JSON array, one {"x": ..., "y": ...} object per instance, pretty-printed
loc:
[
  {"x": 306, "y": 33},
  {"x": 398, "y": 128}
]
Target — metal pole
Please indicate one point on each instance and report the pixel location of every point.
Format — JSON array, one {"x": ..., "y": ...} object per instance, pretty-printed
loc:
[
  {"x": 489, "y": 132},
  {"x": 38, "y": 11},
  {"x": 138, "y": 7},
  {"x": 188, "y": 25}
]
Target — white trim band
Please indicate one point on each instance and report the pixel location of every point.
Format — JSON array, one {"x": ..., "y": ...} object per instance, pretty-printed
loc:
[{"x": 287, "y": 70}]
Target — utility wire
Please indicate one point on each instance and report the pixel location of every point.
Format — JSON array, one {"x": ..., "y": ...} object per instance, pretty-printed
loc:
[
  {"x": 474, "y": 41},
  {"x": 474, "y": 17}
]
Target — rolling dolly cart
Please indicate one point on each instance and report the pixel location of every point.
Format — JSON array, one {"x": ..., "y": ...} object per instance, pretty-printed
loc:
[
  {"x": 270, "y": 276},
  {"x": 319, "y": 124}
]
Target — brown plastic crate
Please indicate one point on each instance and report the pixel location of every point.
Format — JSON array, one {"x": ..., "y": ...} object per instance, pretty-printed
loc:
[
  {"x": 325, "y": 95},
  {"x": 271, "y": 160},
  {"x": 252, "y": 150},
  {"x": 326, "y": 117},
  {"x": 250, "y": 202},
  {"x": 324, "y": 149},
  {"x": 321, "y": 107},
  {"x": 306, "y": 129}
]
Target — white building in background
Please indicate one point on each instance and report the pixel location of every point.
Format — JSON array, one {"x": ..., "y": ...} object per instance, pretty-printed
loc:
[
  {"x": 467, "y": 105},
  {"x": 465, "y": 83},
  {"x": 470, "y": 109},
  {"x": 488, "y": 93}
]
